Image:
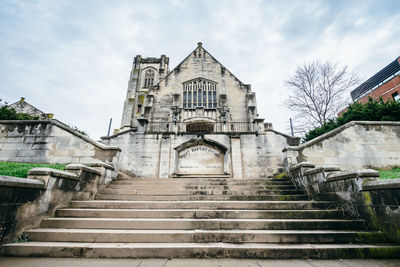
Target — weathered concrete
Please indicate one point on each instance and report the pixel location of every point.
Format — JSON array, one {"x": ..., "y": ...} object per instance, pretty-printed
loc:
[
  {"x": 355, "y": 145},
  {"x": 50, "y": 141},
  {"x": 359, "y": 193},
  {"x": 235, "y": 229},
  {"x": 64, "y": 262},
  {"x": 26, "y": 201}
]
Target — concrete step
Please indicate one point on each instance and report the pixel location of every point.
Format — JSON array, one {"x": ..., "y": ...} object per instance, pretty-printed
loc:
[
  {"x": 199, "y": 197},
  {"x": 220, "y": 205},
  {"x": 193, "y": 187},
  {"x": 201, "y": 250},
  {"x": 200, "y": 213},
  {"x": 280, "y": 187},
  {"x": 202, "y": 236},
  {"x": 204, "y": 224},
  {"x": 202, "y": 185},
  {"x": 231, "y": 182},
  {"x": 167, "y": 191}
]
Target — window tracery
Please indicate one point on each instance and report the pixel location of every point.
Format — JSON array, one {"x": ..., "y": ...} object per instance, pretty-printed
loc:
[
  {"x": 148, "y": 78},
  {"x": 199, "y": 93}
]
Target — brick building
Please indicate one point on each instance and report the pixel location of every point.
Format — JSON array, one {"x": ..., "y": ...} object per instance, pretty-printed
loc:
[{"x": 385, "y": 84}]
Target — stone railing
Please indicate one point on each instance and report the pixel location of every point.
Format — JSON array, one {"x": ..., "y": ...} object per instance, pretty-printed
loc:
[
  {"x": 25, "y": 201},
  {"x": 359, "y": 193},
  {"x": 50, "y": 141},
  {"x": 215, "y": 127},
  {"x": 355, "y": 145}
]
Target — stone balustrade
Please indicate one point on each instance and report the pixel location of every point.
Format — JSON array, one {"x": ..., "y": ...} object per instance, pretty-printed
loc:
[
  {"x": 358, "y": 193},
  {"x": 26, "y": 201}
]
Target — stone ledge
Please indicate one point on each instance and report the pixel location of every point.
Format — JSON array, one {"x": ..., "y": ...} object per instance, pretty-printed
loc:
[
  {"x": 323, "y": 168},
  {"x": 64, "y": 127},
  {"x": 78, "y": 167},
  {"x": 336, "y": 131},
  {"x": 9, "y": 181},
  {"x": 54, "y": 173},
  {"x": 102, "y": 164},
  {"x": 302, "y": 165},
  {"x": 381, "y": 184},
  {"x": 365, "y": 173}
]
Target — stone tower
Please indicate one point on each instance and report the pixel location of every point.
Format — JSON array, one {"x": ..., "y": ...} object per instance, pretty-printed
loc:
[{"x": 145, "y": 73}]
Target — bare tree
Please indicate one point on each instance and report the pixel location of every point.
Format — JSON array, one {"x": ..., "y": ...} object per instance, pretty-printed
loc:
[{"x": 318, "y": 93}]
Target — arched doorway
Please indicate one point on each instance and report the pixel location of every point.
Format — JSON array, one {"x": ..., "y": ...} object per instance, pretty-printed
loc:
[{"x": 200, "y": 157}]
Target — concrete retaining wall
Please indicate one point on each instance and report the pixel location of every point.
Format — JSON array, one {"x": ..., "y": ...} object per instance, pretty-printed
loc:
[
  {"x": 49, "y": 141},
  {"x": 154, "y": 155},
  {"x": 355, "y": 145},
  {"x": 358, "y": 193},
  {"x": 24, "y": 202}
]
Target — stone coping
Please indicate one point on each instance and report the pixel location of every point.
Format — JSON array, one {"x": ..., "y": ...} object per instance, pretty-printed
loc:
[
  {"x": 79, "y": 167},
  {"x": 365, "y": 173},
  {"x": 337, "y": 130},
  {"x": 294, "y": 138},
  {"x": 133, "y": 129},
  {"x": 10, "y": 181},
  {"x": 54, "y": 173},
  {"x": 102, "y": 164},
  {"x": 64, "y": 127},
  {"x": 302, "y": 165},
  {"x": 381, "y": 184},
  {"x": 323, "y": 168}
]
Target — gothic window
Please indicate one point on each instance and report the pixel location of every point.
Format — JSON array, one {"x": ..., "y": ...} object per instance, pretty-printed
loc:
[
  {"x": 148, "y": 78},
  {"x": 199, "y": 93}
]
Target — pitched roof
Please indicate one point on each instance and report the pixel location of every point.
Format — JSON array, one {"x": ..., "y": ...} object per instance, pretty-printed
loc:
[{"x": 199, "y": 45}]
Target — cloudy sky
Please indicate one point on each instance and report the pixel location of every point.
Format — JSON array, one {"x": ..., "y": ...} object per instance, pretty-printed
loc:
[{"x": 73, "y": 58}]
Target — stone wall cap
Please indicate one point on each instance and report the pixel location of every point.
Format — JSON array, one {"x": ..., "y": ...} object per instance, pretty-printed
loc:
[
  {"x": 339, "y": 129},
  {"x": 10, "y": 181},
  {"x": 102, "y": 164},
  {"x": 323, "y": 168},
  {"x": 381, "y": 184},
  {"x": 302, "y": 165},
  {"x": 365, "y": 173},
  {"x": 78, "y": 166},
  {"x": 54, "y": 173},
  {"x": 65, "y": 127}
]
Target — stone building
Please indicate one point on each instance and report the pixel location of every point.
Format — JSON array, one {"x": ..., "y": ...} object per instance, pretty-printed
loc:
[
  {"x": 196, "y": 120},
  {"x": 22, "y": 106}
]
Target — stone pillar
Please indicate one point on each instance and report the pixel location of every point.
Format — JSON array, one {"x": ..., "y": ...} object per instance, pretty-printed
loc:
[
  {"x": 237, "y": 171},
  {"x": 164, "y": 157}
]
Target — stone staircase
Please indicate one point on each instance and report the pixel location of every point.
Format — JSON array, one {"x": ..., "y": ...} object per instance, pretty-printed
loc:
[{"x": 206, "y": 218}]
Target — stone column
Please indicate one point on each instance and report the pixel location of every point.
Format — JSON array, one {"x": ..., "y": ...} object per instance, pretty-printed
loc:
[
  {"x": 164, "y": 157},
  {"x": 236, "y": 158}
]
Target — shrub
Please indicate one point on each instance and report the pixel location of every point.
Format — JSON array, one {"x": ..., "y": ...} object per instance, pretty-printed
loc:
[
  {"x": 7, "y": 113},
  {"x": 373, "y": 110}
]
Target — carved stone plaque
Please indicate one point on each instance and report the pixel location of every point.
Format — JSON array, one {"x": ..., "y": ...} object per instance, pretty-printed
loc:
[{"x": 201, "y": 159}]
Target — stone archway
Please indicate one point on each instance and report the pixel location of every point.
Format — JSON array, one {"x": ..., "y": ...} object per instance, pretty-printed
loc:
[{"x": 201, "y": 157}]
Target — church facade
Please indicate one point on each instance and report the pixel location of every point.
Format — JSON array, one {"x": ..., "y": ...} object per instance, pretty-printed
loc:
[{"x": 197, "y": 120}]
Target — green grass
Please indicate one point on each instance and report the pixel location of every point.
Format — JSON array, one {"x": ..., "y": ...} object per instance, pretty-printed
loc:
[
  {"x": 390, "y": 174},
  {"x": 18, "y": 169}
]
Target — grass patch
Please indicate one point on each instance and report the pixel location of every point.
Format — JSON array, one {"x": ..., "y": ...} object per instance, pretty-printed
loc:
[
  {"x": 18, "y": 169},
  {"x": 390, "y": 174}
]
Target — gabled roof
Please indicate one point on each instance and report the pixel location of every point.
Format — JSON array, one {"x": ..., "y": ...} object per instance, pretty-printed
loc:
[
  {"x": 21, "y": 104},
  {"x": 199, "y": 44}
]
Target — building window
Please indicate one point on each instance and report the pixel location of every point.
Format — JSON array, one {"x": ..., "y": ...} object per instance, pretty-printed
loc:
[
  {"x": 396, "y": 96},
  {"x": 199, "y": 93},
  {"x": 148, "y": 78}
]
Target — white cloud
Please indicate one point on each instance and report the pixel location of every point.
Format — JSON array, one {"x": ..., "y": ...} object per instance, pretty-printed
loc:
[{"x": 74, "y": 59}]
